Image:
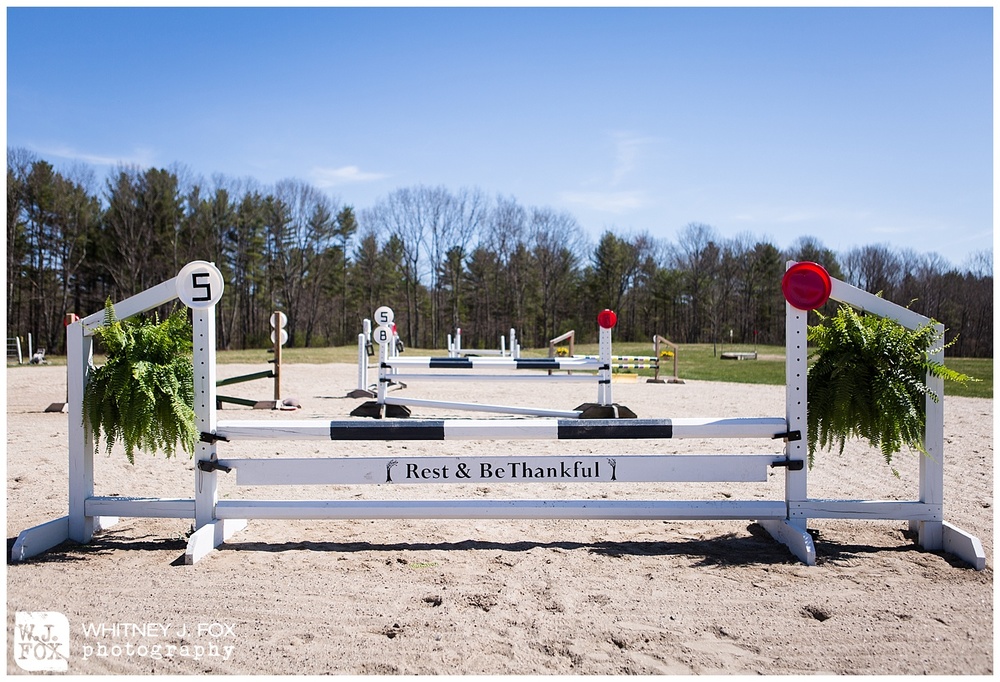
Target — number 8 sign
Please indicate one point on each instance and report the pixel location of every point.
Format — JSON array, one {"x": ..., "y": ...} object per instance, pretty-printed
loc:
[
  {"x": 200, "y": 285},
  {"x": 382, "y": 335}
]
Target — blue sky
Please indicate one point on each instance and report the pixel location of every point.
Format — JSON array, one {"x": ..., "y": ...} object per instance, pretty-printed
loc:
[{"x": 852, "y": 125}]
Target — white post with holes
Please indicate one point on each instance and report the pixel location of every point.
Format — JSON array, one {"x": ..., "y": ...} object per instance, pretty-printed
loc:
[
  {"x": 200, "y": 286},
  {"x": 792, "y": 531}
]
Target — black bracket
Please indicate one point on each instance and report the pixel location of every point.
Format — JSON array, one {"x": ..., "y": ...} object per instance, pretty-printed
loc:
[
  {"x": 210, "y": 438},
  {"x": 792, "y": 464},
  {"x": 212, "y": 465},
  {"x": 788, "y": 435}
]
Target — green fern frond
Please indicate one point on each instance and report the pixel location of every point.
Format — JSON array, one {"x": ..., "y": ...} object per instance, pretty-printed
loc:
[
  {"x": 143, "y": 396},
  {"x": 869, "y": 381}
]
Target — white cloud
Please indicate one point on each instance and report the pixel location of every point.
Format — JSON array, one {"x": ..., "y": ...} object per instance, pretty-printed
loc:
[
  {"x": 785, "y": 217},
  {"x": 889, "y": 229},
  {"x": 332, "y": 177},
  {"x": 139, "y": 157},
  {"x": 609, "y": 202},
  {"x": 628, "y": 150}
]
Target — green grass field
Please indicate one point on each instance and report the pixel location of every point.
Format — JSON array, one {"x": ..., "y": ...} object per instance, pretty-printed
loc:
[
  {"x": 695, "y": 361},
  {"x": 700, "y": 361}
]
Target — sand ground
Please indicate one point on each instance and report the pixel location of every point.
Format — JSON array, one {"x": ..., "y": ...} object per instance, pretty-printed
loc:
[{"x": 506, "y": 597}]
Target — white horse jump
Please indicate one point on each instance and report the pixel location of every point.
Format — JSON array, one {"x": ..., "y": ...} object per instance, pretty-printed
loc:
[
  {"x": 390, "y": 366},
  {"x": 279, "y": 337},
  {"x": 455, "y": 350},
  {"x": 625, "y": 361},
  {"x": 366, "y": 389},
  {"x": 216, "y": 519}
]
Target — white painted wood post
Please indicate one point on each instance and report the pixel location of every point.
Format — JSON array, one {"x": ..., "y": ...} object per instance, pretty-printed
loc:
[
  {"x": 793, "y": 531},
  {"x": 79, "y": 355},
  {"x": 206, "y": 482},
  {"x": 796, "y": 401},
  {"x": 362, "y": 364},
  {"x": 364, "y": 339},
  {"x": 201, "y": 293},
  {"x": 383, "y": 371},
  {"x": 604, "y": 375},
  {"x": 930, "y": 534}
]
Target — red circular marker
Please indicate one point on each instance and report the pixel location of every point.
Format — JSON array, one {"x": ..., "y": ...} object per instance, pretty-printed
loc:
[
  {"x": 806, "y": 285},
  {"x": 70, "y": 318},
  {"x": 607, "y": 319}
]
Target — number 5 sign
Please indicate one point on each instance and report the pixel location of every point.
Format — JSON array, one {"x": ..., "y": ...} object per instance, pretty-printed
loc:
[{"x": 199, "y": 285}]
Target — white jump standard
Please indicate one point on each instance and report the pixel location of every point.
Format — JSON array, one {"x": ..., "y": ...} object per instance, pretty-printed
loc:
[
  {"x": 389, "y": 372},
  {"x": 199, "y": 285}
]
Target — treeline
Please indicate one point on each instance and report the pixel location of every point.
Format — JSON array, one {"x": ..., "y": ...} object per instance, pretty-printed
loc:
[{"x": 441, "y": 259}]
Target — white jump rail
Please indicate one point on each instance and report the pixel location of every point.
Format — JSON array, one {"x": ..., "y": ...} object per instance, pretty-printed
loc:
[{"x": 199, "y": 285}]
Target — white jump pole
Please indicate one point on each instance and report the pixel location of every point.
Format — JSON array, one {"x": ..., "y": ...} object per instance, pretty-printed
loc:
[
  {"x": 768, "y": 428},
  {"x": 536, "y": 378},
  {"x": 593, "y": 364},
  {"x": 362, "y": 363},
  {"x": 480, "y": 407}
]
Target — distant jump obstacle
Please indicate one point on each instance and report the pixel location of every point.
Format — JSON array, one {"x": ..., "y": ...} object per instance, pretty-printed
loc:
[
  {"x": 199, "y": 285},
  {"x": 455, "y": 349},
  {"x": 390, "y": 365},
  {"x": 14, "y": 349},
  {"x": 68, "y": 319},
  {"x": 626, "y": 362},
  {"x": 365, "y": 387},
  {"x": 278, "y": 337}
]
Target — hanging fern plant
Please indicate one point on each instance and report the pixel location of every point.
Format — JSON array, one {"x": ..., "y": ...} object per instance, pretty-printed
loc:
[
  {"x": 869, "y": 381},
  {"x": 143, "y": 396}
]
